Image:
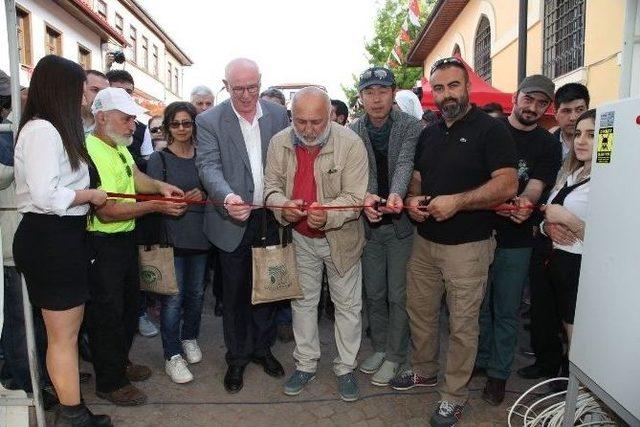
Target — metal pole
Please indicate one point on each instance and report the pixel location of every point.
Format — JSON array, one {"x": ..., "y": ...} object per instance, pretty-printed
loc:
[
  {"x": 14, "y": 63},
  {"x": 628, "y": 41},
  {"x": 522, "y": 41},
  {"x": 33, "y": 355},
  {"x": 14, "y": 60}
]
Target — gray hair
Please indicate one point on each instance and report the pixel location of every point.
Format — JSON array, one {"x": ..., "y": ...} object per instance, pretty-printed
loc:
[
  {"x": 245, "y": 62},
  {"x": 201, "y": 90},
  {"x": 273, "y": 92},
  {"x": 311, "y": 91}
]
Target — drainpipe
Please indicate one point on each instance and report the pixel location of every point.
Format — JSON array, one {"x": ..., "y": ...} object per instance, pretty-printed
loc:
[
  {"x": 629, "y": 39},
  {"x": 522, "y": 41}
]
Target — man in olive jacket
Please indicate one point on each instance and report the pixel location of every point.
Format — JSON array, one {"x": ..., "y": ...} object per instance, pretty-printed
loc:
[{"x": 316, "y": 163}]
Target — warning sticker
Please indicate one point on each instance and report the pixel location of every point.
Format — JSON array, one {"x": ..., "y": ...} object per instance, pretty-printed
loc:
[{"x": 605, "y": 145}]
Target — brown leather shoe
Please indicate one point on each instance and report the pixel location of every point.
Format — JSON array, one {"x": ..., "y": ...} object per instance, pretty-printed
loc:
[
  {"x": 137, "y": 373},
  {"x": 493, "y": 392},
  {"x": 128, "y": 395}
]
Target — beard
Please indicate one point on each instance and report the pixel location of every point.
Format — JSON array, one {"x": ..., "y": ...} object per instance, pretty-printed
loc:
[
  {"x": 455, "y": 109},
  {"x": 119, "y": 139},
  {"x": 319, "y": 140},
  {"x": 520, "y": 116}
]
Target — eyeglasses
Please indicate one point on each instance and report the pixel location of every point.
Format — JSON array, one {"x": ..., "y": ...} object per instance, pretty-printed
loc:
[
  {"x": 127, "y": 167},
  {"x": 452, "y": 60},
  {"x": 239, "y": 90},
  {"x": 155, "y": 129},
  {"x": 187, "y": 124}
]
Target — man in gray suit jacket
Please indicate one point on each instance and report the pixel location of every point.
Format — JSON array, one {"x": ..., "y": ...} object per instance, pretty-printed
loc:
[
  {"x": 232, "y": 146},
  {"x": 390, "y": 138}
]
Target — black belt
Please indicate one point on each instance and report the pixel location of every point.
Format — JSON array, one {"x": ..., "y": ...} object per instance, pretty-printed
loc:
[{"x": 117, "y": 235}]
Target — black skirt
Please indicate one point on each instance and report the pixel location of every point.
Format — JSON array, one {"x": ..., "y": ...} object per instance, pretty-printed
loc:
[{"x": 52, "y": 254}]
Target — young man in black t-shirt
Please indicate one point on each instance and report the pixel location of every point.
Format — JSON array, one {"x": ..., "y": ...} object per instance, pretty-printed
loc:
[
  {"x": 464, "y": 166},
  {"x": 539, "y": 157}
]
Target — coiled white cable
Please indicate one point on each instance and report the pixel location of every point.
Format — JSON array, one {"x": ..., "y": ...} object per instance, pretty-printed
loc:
[{"x": 553, "y": 415}]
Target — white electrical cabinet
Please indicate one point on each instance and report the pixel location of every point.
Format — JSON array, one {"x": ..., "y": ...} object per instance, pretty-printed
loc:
[{"x": 605, "y": 348}]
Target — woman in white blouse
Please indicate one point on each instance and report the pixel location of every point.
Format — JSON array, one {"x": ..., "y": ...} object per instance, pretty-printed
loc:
[
  {"x": 52, "y": 193},
  {"x": 567, "y": 209}
]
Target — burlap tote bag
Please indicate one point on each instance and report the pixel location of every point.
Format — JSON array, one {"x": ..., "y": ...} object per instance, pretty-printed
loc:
[
  {"x": 155, "y": 254},
  {"x": 274, "y": 270},
  {"x": 157, "y": 271}
]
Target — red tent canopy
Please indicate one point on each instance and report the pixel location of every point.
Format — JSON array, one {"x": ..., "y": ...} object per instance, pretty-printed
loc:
[{"x": 481, "y": 93}]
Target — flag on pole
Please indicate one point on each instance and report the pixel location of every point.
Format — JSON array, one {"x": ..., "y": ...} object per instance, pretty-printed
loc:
[
  {"x": 397, "y": 53},
  {"x": 404, "y": 32},
  {"x": 414, "y": 13}
]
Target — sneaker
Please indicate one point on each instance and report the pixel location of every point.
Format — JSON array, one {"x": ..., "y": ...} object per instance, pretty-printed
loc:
[
  {"x": 146, "y": 328},
  {"x": 372, "y": 363},
  {"x": 192, "y": 351},
  {"x": 297, "y": 381},
  {"x": 177, "y": 369},
  {"x": 348, "y": 387},
  {"x": 408, "y": 379},
  {"x": 447, "y": 414},
  {"x": 385, "y": 374}
]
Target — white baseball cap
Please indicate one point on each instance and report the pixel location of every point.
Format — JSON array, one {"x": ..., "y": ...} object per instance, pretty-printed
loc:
[{"x": 115, "y": 98}]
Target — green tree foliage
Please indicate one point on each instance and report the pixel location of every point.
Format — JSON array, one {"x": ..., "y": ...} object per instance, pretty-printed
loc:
[{"x": 389, "y": 19}]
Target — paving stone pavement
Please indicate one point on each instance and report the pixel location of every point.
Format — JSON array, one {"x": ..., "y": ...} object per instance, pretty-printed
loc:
[{"x": 261, "y": 402}]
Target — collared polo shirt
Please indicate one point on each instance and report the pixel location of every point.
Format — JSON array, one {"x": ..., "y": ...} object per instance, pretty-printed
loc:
[
  {"x": 114, "y": 166},
  {"x": 457, "y": 159}
]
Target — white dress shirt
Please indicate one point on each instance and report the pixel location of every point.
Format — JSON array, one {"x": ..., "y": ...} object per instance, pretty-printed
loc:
[
  {"x": 576, "y": 202},
  {"x": 45, "y": 182},
  {"x": 253, "y": 142},
  {"x": 146, "y": 149}
]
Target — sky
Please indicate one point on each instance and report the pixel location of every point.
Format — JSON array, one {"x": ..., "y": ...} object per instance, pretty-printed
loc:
[{"x": 319, "y": 42}]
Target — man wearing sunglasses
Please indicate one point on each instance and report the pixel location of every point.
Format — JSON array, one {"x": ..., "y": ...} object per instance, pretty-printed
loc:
[
  {"x": 112, "y": 315},
  {"x": 465, "y": 164},
  {"x": 232, "y": 146}
]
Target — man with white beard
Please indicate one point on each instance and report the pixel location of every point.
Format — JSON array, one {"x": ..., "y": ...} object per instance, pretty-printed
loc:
[
  {"x": 318, "y": 163},
  {"x": 112, "y": 313}
]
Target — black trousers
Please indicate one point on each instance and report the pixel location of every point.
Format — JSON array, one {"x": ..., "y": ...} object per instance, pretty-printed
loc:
[
  {"x": 248, "y": 330},
  {"x": 545, "y": 316},
  {"x": 112, "y": 312}
]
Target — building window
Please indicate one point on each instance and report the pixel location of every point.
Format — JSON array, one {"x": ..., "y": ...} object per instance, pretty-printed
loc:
[
  {"x": 133, "y": 41},
  {"x": 563, "y": 36},
  {"x": 53, "y": 42},
  {"x": 154, "y": 61},
  {"x": 84, "y": 57},
  {"x": 119, "y": 24},
  {"x": 145, "y": 53},
  {"x": 101, "y": 8},
  {"x": 24, "y": 36},
  {"x": 175, "y": 79},
  {"x": 169, "y": 80},
  {"x": 482, "y": 50}
]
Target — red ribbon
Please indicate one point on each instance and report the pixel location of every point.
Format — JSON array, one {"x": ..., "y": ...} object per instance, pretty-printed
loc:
[{"x": 147, "y": 197}]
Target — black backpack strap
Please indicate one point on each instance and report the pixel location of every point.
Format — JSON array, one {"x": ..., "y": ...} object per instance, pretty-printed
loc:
[{"x": 164, "y": 166}]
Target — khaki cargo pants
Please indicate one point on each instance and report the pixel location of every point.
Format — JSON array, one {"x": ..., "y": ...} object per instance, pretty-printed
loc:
[{"x": 460, "y": 271}]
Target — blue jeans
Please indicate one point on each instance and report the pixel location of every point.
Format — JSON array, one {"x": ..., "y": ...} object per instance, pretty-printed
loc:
[
  {"x": 499, "y": 312},
  {"x": 186, "y": 306},
  {"x": 14, "y": 341}
]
